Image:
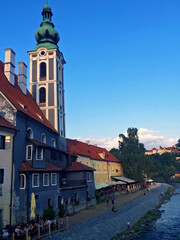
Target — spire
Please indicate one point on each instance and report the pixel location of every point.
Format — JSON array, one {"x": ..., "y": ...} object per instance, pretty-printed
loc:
[{"x": 46, "y": 35}]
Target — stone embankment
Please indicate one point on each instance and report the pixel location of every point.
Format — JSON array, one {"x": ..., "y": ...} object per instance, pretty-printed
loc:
[{"x": 104, "y": 226}]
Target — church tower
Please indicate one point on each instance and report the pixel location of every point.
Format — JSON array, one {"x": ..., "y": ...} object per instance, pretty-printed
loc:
[{"x": 47, "y": 72}]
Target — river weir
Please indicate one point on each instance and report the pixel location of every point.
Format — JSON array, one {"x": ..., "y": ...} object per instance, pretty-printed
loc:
[{"x": 167, "y": 227}]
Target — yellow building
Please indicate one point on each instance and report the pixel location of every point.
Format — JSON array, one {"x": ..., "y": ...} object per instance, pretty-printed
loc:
[
  {"x": 7, "y": 132},
  {"x": 105, "y": 164}
]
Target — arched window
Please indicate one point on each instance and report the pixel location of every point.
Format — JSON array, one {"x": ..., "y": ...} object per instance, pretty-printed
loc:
[
  {"x": 43, "y": 138},
  {"x": 22, "y": 181},
  {"x": 42, "y": 95},
  {"x": 30, "y": 133},
  {"x": 42, "y": 70},
  {"x": 53, "y": 142}
]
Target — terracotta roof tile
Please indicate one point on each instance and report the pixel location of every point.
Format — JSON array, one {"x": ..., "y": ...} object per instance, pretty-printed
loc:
[
  {"x": 25, "y": 166},
  {"x": 4, "y": 123},
  {"x": 77, "y": 166},
  {"x": 23, "y": 103},
  {"x": 92, "y": 151}
]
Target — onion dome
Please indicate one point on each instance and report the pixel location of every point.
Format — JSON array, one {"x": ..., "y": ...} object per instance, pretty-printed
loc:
[{"x": 46, "y": 35}]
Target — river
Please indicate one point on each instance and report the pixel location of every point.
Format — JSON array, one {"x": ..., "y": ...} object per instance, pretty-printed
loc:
[{"x": 166, "y": 227}]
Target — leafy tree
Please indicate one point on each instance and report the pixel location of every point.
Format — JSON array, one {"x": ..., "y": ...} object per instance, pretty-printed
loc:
[{"x": 135, "y": 163}]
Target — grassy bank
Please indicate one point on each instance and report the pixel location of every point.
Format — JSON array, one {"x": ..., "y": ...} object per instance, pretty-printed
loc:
[{"x": 150, "y": 216}]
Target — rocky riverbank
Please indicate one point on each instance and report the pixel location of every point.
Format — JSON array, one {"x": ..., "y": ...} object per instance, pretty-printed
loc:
[{"x": 145, "y": 223}]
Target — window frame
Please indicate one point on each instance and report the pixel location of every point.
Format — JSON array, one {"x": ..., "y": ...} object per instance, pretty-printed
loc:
[
  {"x": 53, "y": 142},
  {"x": 44, "y": 179},
  {"x": 27, "y": 152},
  {"x": 33, "y": 180},
  {"x": 43, "y": 96},
  {"x": 38, "y": 147},
  {"x": 41, "y": 70},
  {"x": 31, "y": 137},
  {"x": 2, "y": 168},
  {"x": 3, "y": 142},
  {"x": 43, "y": 138},
  {"x": 24, "y": 186},
  {"x": 89, "y": 176},
  {"x": 53, "y": 184}
]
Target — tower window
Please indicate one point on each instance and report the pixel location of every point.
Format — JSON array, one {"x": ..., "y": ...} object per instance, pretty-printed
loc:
[
  {"x": 42, "y": 70},
  {"x": 42, "y": 95}
]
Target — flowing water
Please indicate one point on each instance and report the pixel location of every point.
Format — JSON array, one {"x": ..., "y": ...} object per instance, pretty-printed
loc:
[{"x": 167, "y": 227}]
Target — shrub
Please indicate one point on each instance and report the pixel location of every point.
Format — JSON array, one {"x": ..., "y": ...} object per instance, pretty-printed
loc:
[
  {"x": 49, "y": 213},
  {"x": 62, "y": 211}
]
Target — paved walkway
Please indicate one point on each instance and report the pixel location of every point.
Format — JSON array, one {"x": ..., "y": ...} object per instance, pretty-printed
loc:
[{"x": 100, "y": 223}]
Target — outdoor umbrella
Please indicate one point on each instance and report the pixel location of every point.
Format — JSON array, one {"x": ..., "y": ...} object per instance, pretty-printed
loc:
[{"x": 33, "y": 206}]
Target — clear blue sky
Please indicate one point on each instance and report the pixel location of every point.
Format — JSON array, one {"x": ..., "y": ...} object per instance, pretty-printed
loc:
[{"x": 123, "y": 61}]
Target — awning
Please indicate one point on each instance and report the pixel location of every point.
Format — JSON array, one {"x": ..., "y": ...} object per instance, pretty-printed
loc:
[
  {"x": 123, "y": 179},
  {"x": 101, "y": 185}
]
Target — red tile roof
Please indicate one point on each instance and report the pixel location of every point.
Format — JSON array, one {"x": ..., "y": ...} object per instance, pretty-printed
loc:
[
  {"x": 4, "y": 123},
  {"x": 23, "y": 103},
  {"x": 25, "y": 166},
  {"x": 77, "y": 166},
  {"x": 48, "y": 146},
  {"x": 92, "y": 151}
]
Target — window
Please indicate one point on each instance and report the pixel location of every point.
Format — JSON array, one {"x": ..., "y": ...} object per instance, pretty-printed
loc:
[
  {"x": 53, "y": 179},
  {"x": 30, "y": 133},
  {"x": 1, "y": 175},
  {"x": 2, "y": 142},
  {"x": 29, "y": 152},
  {"x": 53, "y": 142},
  {"x": 89, "y": 176},
  {"x": 46, "y": 179},
  {"x": 42, "y": 95},
  {"x": 43, "y": 138},
  {"x": 42, "y": 70},
  {"x": 7, "y": 142},
  {"x": 22, "y": 181},
  {"x": 39, "y": 153},
  {"x": 35, "y": 180}
]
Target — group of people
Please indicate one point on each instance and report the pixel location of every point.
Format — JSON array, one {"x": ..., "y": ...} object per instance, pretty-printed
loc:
[{"x": 31, "y": 227}]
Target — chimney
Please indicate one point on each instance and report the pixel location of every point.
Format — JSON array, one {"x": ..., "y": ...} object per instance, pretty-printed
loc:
[
  {"x": 88, "y": 142},
  {"x": 9, "y": 65},
  {"x": 22, "y": 76}
]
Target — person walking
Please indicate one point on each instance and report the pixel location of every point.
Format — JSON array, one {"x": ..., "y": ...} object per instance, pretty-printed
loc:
[
  {"x": 107, "y": 201},
  {"x": 113, "y": 201}
]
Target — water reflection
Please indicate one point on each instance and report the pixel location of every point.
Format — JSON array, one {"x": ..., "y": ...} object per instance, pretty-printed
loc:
[{"x": 167, "y": 227}]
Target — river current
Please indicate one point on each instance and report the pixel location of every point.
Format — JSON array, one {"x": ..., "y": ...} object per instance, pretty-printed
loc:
[{"x": 166, "y": 227}]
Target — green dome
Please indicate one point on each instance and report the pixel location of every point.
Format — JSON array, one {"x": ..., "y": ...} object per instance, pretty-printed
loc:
[{"x": 46, "y": 33}]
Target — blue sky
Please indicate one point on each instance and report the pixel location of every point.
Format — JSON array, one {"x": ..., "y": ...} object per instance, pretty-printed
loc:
[{"x": 122, "y": 70}]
